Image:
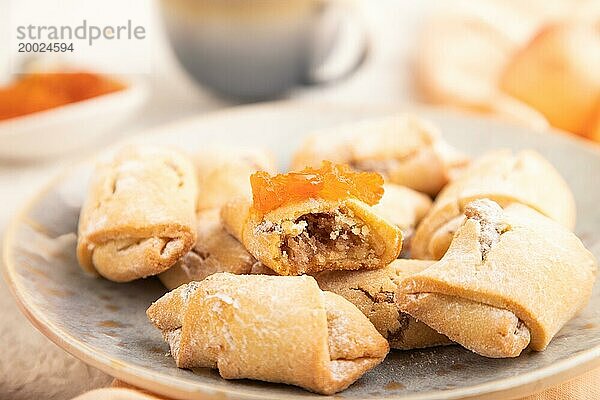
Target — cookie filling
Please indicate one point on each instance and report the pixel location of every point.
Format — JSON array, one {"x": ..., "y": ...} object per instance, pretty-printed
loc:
[{"x": 335, "y": 240}]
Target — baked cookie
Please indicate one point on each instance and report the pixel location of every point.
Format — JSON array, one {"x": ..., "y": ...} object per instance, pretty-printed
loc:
[
  {"x": 270, "y": 328},
  {"x": 511, "y": 278},
  {"x": 374, "y": 293},
  {"x": 223, "y": 174},
  {"x": 404, "y": 149},
  {"x": 215, "y": 251},
  {"x": 138, "y": 218},
  {"x": 314, "y": 220},
  {"x": 405, "y": 208},
  {"x": 525, "y": 177}
]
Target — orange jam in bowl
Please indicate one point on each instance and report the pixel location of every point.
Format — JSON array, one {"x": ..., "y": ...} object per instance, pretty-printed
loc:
[{"x": 42, "y": 91}]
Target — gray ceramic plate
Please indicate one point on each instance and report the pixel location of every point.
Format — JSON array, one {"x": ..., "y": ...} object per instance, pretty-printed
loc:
[{"x": 104, "y": 323}]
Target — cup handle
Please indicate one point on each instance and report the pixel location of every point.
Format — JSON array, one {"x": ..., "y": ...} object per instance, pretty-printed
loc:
[{"x": 344, "y": 52}]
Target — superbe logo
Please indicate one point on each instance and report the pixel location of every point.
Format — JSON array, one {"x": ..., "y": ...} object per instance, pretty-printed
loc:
[{"x": 84, "y": 31}]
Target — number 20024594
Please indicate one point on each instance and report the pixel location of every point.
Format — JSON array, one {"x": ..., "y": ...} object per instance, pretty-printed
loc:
[{"x": 27, "y": 47}]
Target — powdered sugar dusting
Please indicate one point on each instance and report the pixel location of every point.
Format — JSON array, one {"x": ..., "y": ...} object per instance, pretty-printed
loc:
[
  {"x": 174, "y": 340},
  {"x": 489, "y": 215},
  {"x": 188, "y": 290}
]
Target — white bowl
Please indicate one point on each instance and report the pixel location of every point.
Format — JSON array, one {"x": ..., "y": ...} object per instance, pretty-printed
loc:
[{"x": 69, "y": 127}]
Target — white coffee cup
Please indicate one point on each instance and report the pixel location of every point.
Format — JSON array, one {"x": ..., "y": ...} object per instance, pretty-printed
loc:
[{"x": 258, "y": 49}]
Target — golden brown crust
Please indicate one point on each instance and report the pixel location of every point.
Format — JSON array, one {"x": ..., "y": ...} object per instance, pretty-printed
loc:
[
  {"x": 373, "y": 292},
  {"x": 490, "y": 331},
  {"x": 404, "y": 149},
  {"x": 514, "y": 260},
  {"x": 215, "y": 251},
  {"x": 271, "y": 328},
  {"x": 314, "y": 235},
  {"x": 224, "y": 173},
  {"x": 442, "y": 237},
  {"x": 504, "y": 177},
  {"x": 405, "y": 208},
  {"x": 123, "y": 242}
]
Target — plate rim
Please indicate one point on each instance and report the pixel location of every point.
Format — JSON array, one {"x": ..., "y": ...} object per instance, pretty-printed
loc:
[{"x": 524, "y": 384}]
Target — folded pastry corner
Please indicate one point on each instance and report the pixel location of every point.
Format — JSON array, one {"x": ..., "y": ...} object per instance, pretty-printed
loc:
[
  {"x": 270, "y": 328},
  {"x": 486, "y": 330},
  {"x": 215, "y": 251},
  {"x": 404, "y": 149},
  {"x": 373, "y": 292},
  {"x": 123, "y": 242},
  {"x": 304, "y": 223},
  {"x": 405, "y": 208},
  {"x": 512, "y": 277},
  {"x": 504, "y": 177}
]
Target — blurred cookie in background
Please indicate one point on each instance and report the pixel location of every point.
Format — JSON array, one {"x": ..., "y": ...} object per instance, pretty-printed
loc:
[{"x": 537, "y": 62}]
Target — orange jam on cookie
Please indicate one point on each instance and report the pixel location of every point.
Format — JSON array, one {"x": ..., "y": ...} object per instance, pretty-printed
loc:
[{"x": 330, "y": 182}]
